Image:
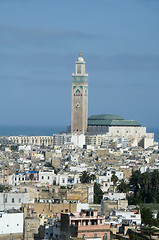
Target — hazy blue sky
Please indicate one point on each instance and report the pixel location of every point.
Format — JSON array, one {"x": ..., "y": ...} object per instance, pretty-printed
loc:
[{"x": 40, "y": 41}]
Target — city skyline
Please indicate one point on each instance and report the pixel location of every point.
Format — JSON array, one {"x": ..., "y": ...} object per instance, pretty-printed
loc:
[{"x": 40, "y": 41}]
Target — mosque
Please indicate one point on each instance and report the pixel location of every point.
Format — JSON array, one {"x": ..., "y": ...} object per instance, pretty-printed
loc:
[{"x": 109, "y": 125}]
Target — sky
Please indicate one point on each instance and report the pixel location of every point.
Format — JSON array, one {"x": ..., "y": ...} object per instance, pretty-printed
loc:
[{"x": 40, "y": 40}]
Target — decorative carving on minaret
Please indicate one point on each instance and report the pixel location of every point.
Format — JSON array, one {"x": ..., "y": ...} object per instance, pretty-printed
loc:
[{"x": 79, "y": 98}]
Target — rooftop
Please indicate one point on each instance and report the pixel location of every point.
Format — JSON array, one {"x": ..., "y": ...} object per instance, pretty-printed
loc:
[{"x": 110, "y": 120}]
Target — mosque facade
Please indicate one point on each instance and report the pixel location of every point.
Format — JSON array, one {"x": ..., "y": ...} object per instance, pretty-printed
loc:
[{"x": 109, "y": 125}]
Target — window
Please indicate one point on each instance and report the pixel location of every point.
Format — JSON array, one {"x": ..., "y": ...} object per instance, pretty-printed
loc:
[
  {"x": 100, "y": 221},
  {"x": 12, "y": 200},
  {"x": 48, "y": 177},
  {"x": 5, "y": 200},
  {"x": 66, "y": 210},
  {"x": 20, "y": 200},
  {"x": 105, "y": 237},
  {"x": 42, "y": 177}
]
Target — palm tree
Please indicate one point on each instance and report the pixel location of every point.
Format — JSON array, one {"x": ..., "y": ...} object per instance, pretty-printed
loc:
[
  {"x": 114, "y": 179},
  {"x": 85, "y": 177},
  {"x": 123, "y": 186}
]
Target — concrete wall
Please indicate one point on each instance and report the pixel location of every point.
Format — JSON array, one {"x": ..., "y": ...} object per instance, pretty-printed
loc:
[{"x": 50, "y": 209}]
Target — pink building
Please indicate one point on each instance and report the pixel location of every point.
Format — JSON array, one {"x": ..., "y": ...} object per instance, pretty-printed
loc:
[
  {"x": 87, "y": 223},
  {"x": 35, "y": 174}
]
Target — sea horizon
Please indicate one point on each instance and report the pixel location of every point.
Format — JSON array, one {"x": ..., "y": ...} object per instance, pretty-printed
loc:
[{"x": 50, "y": 130}]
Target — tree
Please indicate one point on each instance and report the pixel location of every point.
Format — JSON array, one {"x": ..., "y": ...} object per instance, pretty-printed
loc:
[
  {"x": 123, "y": 186},
  {"x": 147, "y": 216},
  {"x": 2, "y": 188},
  {"x": 145, "y": 186},
  {"x": 114, "y": 179},
  {"x": 93, "y": 177},
  {"x": 31, "y": 176},
  {"x": 86, "y": 177},
  {"x": 135, "y": 181},
  {"x": 13, "y": 148},
  {"x": 98, "y": 193}
]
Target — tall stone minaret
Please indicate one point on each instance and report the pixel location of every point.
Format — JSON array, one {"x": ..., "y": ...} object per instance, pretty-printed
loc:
[{"x": 79, "y": 98}]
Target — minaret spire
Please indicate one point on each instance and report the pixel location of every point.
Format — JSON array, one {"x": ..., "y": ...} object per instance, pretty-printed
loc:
[{"x": 79, "y": 98}]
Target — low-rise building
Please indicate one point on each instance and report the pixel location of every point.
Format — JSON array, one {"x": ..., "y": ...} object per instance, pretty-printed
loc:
[
  {"x": 12, "y": 200},
  {"x": 86, "y": 223},
  {"x": 11, "y": 224}
]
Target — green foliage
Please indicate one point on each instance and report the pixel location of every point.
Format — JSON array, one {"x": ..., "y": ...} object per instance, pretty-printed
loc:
[
  {"x": 2, "y": 188},
  {"x": 63, "y": 187},
  {"x": 86, "y": 177},
  {"x": 123, "y": 186},
  {"x": 114, "y": 179},
  {"x": 93, "y": 177},
  {"x": 31, "y": 177},
  {"x": 98, "y": 193},
  {"x": 134, "y": 201},
  {"x": 147, "y": 216},
  {"x": 13, "y": 148},
  {"x": 145, "y": 187},
  {"x": 132, "y": 236}
]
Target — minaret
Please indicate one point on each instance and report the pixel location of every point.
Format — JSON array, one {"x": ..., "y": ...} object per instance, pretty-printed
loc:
[{"x": 79, "y": 98}]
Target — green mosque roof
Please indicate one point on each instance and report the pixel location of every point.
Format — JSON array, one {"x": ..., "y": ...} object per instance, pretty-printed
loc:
[
  {"x": 110, "y": 120},
  {"x": 106, "y": 117}
]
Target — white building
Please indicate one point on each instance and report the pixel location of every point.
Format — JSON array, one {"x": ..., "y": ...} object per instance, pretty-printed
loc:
[
  {"x": 48, "y": 177},
  {"x": 67, "y": 179},
  {"x": 12, "y": 200},
  {"x": 130, "y": 216},
  {"x": 16, "y": 178},
  {"x": 114, "y": 196},
  {"x": 78, "y": 140},
  {"x": 78, "y": 168},
  {"x": 11, "y": 223}
]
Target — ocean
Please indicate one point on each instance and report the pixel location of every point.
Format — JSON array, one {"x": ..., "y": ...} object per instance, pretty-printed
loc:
[
  {"x": 154, "y": 130},
  {"x": 48, "y": 131},
  {"x": 29, "y": 130}
]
